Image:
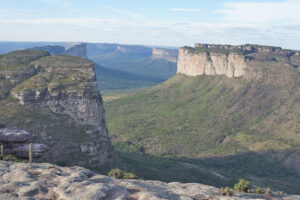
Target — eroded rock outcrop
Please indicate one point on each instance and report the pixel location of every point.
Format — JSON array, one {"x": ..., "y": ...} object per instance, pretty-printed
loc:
[
  {"x": 76, "y": 49},
  {"x": 65, "y": 84},
  {"x": 165, "y": 54},
  {"x": 249, "y": 61},
  {"x": 133, "y": 50},
  {"x": 59, "y": 103},
  {"x": 47, "y": 182},
  {"x": 16, "y": 142}
]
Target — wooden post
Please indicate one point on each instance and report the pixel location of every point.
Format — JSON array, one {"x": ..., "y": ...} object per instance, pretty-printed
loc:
[
  {"x": 30, "y": 153},
  {"x": 2, "y": 151}
]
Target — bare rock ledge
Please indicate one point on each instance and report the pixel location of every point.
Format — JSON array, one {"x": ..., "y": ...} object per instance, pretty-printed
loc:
[{"x": 47, "y": 182}]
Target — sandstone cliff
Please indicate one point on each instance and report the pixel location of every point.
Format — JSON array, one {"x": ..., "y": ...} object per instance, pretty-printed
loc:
[
  {"x": 249, "y": 61},
  {"x": 58, "y": 102},
  {"x": 47, "y": 182},
  {"x": 165, "y": 54},
  {"x": 76, "y": 49},
  {"x": 133, "y": 50}
]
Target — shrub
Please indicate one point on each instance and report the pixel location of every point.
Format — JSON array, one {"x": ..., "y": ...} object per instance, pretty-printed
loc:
[
  {"x": 12, "y": 158},
  {"x": 117, "y": 173},
  {"x": 128, "y": 175},
  {"x": 226, "y": 191},
  {"x": 258, "y": 190},
  {"x": 242, "y": 186}
]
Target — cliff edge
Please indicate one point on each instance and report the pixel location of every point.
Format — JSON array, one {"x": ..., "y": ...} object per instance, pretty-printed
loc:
[
  {"x": 56, "y": 99},
  {"x": 47, "y": 182},
  {"x": 249, "y": 61}
]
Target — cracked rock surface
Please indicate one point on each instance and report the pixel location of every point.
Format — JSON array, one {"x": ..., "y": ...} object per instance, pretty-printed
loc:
[{"x": 48, "y": 182}]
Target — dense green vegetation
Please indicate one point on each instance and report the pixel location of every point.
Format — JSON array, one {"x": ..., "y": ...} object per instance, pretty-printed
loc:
[{"x": 232, "y": 127}]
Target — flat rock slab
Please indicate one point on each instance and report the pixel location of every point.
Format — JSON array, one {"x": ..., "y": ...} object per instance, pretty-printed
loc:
[
  {"x": 46, "y": 181},
  {"x": 11, "y": 135}
]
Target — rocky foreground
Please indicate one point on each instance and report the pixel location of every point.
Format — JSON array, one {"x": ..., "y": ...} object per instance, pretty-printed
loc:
[{"x": 48, "y": 182}]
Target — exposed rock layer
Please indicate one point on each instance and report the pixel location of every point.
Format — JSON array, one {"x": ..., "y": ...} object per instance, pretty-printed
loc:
[
  {"x": 60, "y": 103},
  {"x": 16, "y": 142},
  {"x": 165, "y": 54},
  {"x": 46, "y": 181},
  {"x": 234, "y": 61}
]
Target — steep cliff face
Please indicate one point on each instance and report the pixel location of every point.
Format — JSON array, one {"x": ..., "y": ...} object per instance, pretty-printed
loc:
[
  {"x": 165, "y": 54},
  {"x": 61, "y": 99},
  {"x": 249, "y": 61},
  {"x": 133, "y": 50},
  {"x": 77, "y": 50},
  {"x": 65, "y": 84},
  {"x": 210, "y": 63}
]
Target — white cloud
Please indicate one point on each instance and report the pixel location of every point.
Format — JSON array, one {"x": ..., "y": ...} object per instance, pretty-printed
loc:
[
  {"x": 184, "y": 9},
  {"x": 287, "y": 11},
  {"x": 240, "y": 23}
]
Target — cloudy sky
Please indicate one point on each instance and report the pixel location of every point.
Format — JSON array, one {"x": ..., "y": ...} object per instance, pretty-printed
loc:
[{"x": 155, "y": 22}]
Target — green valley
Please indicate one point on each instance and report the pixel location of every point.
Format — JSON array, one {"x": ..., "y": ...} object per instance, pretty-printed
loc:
[{"x": 234, "y": 127}]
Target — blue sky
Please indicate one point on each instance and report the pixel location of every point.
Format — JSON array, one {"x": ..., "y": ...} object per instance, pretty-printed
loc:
[{"x": 155, "y": 22}]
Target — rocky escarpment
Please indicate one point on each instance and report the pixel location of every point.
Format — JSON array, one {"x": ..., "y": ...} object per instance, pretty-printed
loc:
[
  {"x": 65, "y": 84},
  {"x": 77, "y": 49},
  {"x": 133, "y": 50},
  {"x": 249, "y": 61},
  {"x": 47, "y": 182},
  {"x": 165, "y": 54},
  {"x": 59, "y": 103}
]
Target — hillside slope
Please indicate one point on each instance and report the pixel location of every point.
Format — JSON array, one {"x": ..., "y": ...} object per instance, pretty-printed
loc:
[{"x": 238, "y": 127}]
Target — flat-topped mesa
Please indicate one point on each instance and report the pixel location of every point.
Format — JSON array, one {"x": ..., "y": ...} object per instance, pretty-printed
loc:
[
  {"x": 63, "y": 108},
  {"x": 199, "y": 61},
  {"x": 165, "y": 54},
  {"x": 233, "y": 61},
  {"x": 65, "y": 84}
]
